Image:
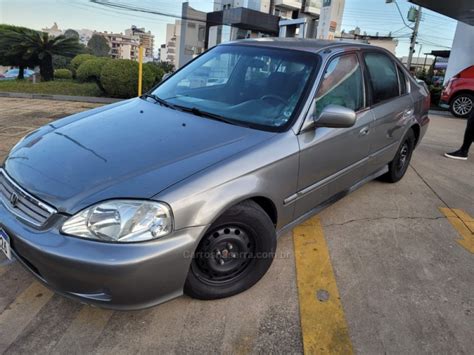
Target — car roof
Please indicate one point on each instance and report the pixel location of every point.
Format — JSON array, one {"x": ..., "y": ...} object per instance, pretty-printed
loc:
[{"x": 308, "y": 45}]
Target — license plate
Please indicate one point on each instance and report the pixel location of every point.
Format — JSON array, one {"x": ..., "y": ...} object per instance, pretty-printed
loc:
[{"x": 5, "y": 244}]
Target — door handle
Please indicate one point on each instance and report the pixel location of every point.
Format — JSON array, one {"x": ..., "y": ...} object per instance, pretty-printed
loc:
[
  {"x": 408, "y": 112},
  {"x": 364, "y": 131}
]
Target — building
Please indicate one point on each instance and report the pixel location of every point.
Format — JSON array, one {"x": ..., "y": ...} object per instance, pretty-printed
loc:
[
  {"x": 146, "y": 39},
  {"x": 330, "y": 19},
  {"x": 169, "y": 52},
  {"x": 192, "y": 41},
  {"x": 85, "y": 35},
  {"x": 387, "y": 42},
  {"x": 232, "y": 24},
  {"x": 239, "y": 19},
  {"x": 53, "y": 31},
  {"x": 122, "y": 46},
  {"x": 419, "y": 63}
]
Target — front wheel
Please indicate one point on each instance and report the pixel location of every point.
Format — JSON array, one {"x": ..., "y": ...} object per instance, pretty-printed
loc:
[
  {"x": 462, "y": 105},
  {"x": 398, "y": 166},
  {"x": 234, "y": 254}
]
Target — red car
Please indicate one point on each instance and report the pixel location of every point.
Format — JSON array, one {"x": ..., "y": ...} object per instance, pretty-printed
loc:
[{"x": 458, "y": 95}]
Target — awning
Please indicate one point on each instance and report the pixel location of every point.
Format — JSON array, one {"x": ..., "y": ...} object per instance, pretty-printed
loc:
[{"x": 461, "y": 10}]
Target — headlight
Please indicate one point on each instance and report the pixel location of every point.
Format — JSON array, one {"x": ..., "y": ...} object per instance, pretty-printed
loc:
[{"x": 121, "y": 221}]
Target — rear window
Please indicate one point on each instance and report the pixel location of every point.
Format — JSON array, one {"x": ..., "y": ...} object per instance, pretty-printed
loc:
[{"x": 383, "y": 77}]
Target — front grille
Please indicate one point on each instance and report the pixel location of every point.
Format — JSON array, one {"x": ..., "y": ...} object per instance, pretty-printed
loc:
[{"x": 22, "y": 204}]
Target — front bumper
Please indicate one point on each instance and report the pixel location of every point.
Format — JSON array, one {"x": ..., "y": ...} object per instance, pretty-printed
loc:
[{"x": 110, "y": 275}]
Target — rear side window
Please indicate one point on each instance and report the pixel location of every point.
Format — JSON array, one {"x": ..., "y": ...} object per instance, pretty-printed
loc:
[
  {"x": 383, "y": 77},
  {"x": 342, "y": 84},
  {"x": 403, "y": 81}
]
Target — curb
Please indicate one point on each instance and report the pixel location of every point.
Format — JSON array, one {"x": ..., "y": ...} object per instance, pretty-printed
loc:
[{"x": 91, "y": 99}]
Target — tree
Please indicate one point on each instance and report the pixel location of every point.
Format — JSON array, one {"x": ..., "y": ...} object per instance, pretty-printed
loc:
[
  {"x": 39, "y": 48},
  {"x": 98, "y": 45},
  {"x": 11, "y": 55},
  {"x": 70, "y": 33}
]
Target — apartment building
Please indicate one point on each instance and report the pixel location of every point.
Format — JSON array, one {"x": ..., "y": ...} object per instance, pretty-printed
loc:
[
  {"x": 146, "y": 39},
  {"x": 122, "y": 46}
]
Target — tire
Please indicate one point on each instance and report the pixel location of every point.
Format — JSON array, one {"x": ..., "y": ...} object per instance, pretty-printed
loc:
[
  {"x": 462, "y": 105},
  {"x": 233, "y": 255},
  {"x": 399, "y": 165}
]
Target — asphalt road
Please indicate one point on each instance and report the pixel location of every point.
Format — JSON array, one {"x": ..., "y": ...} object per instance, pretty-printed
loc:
[{"x": 381, "y": 271}]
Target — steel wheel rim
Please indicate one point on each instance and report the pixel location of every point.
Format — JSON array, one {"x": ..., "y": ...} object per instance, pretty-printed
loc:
[
  {"x": 403, "y": 156},
  {"x": 224, "y": 255},
  {"x": 462, "y": 105}
]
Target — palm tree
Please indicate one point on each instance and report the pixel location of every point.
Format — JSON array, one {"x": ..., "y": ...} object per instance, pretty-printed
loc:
[
  {"x": 11, "y": 55},
  {"x": 39, "y": 47}
]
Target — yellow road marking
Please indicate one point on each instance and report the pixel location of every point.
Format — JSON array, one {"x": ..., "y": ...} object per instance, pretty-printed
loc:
[
  {"x": 83, "y": 331},
  {"x": 323, "y": 323},
  {"x": 21, "y": 312},
  {"x": 464, "y": 225}
]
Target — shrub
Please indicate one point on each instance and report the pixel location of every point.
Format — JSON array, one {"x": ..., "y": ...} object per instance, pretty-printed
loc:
[
  {"x": 62, "y": 74},
  {"x": 157, "y": 71},
  {"x": 79, "y": 59},
  {"x": 119, "y": 77},
  {"x": 90, "y": 69}
]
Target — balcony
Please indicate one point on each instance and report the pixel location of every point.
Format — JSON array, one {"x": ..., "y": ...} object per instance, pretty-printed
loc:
[
  {"x": 289, "y": 4},
  {"x": 313, "y": 7}
]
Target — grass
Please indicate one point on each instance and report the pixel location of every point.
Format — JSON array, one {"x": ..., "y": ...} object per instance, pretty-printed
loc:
[{"x": 57, "y": 87}]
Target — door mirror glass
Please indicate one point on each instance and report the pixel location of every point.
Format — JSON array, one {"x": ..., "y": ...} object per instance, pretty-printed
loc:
[{"x": 336, "y": 116}]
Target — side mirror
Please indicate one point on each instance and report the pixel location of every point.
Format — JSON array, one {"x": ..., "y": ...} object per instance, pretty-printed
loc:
[
  {"x": 336, "y": 116},
  {"x": 165, "y": 76}
]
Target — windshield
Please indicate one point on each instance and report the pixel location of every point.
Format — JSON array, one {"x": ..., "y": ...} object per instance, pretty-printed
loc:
[{"x": 256, "y": 86}]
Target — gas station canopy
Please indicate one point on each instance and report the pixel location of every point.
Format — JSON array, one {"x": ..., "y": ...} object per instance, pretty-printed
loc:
[{"x": 462, "y": 10}]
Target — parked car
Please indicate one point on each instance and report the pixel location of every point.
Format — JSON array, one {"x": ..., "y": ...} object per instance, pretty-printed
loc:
[
  {"x": 13, "y": 74},
  {"x": 187, "y": 188},
  {"x": 458, "y": 95}
]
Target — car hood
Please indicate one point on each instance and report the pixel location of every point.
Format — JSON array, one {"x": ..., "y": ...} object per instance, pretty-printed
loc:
[{"x": 133, "y": 149}]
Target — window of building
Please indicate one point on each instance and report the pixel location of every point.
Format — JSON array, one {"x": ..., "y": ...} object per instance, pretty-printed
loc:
[
  {"x": 342, "y": 84},
  {"x": 383, "y": 77}
]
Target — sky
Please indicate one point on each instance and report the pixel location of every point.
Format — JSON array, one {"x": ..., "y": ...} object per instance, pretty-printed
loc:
[{"x": 372, "y": 16}]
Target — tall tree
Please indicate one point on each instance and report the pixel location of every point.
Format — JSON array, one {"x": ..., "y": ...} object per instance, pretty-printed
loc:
[
  {"x": 98, "y": 45},
  {"x": 39, "y": 47}
]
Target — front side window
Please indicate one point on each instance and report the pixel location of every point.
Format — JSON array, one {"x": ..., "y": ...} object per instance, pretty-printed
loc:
[
  {"x": 255, "y": 86},
  {"x": 383, "y": 77},
  {"x": 342, "y": 84}
]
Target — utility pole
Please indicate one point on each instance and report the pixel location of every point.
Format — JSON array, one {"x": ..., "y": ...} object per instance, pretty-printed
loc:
[{"x": 413, "y": 37}]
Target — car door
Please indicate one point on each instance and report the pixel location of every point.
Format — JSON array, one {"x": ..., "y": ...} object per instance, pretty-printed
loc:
[
  {"x": 333, "y": 159},
  {"x": 391, "y": 105}
]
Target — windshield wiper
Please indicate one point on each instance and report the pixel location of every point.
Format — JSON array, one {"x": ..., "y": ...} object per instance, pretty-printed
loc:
[
  {"x": 214, "y": 116},
  {"x": 159, "y": 100}
]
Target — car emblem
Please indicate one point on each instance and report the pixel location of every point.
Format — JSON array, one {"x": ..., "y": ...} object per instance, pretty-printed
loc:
[{"x": 13, "y": 199}]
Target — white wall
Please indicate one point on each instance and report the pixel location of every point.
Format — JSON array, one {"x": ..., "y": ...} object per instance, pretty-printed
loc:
[{"x": 462, "y": 52}]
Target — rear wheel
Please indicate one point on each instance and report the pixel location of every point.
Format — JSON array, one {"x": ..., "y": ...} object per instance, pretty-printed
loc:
[
  {"x": 398, "y": 166},
  {"x": 462, "y": 105},
  {"x": 234, "y": 254}
]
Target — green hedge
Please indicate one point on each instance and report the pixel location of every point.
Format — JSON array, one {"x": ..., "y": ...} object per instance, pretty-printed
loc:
[
  {"x": 119, "y": 78},
  {"x": 157, "y": 71},
  {"x": 90, "y": 70},
  {"x": 79, "y": 59},
  {"x": 62, "y": 74}
]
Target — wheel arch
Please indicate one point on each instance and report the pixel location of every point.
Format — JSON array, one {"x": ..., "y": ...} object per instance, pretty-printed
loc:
[
  {"x": 417, "y": 131},
  {"x": 460, "y": 92}
]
